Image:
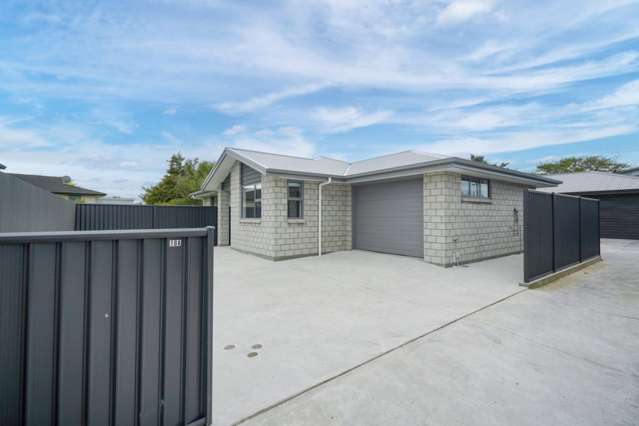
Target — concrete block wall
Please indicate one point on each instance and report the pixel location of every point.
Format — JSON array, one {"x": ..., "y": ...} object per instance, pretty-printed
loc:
[
  {"x": 223, "y": 220},
  {"x": 458, "y": 230},
  {"x": 253, "y": 235},
  {"x": 298, "y": 237},
  {"x": 336, "y": 218}
]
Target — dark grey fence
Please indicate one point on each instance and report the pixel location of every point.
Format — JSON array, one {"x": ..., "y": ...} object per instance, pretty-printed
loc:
[
  {"x": 25, "y": 207},
  {"x": 90, "y": 217},
  {"x": 559, "y": 231},
  {"x": 106, "y": 328}
]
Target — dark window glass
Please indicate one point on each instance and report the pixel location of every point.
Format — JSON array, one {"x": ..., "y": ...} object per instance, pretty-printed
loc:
[
  {"x": 252, "y": 201},
  {"x": 295, "y": 199},
  {"x": 475, "y": 187}
]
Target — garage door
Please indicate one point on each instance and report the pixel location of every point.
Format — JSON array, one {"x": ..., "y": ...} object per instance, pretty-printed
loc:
[
  {"x": 388, "y": 217},
  {"x": 619, "y": 216}
]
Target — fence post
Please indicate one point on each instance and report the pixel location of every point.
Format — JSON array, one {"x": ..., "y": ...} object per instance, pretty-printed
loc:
[
  {"x": 210, "y": 243},
  {"x": 524, "y": 239},
  {"x": 581, "y": 255},
  {"x": 554, "y": 236}
]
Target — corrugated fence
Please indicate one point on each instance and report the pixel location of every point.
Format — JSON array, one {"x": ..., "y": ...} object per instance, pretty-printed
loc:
[
  {"x": 559, "y": 231},
  {"x": 93, "y": 217},
  {"x": 111, "y": 327}
]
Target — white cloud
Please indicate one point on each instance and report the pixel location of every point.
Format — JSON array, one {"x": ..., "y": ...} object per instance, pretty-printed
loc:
[
  {"x": 234, "y": 130},
  {"x": 516, "y": 141},
  {"x": 258, "y": 102},
  {"x": 462, "y": 10},
  {"x": 171, "y": 138},
  {"x": 170, "y": 111},
  {"x": 626, "y": 95},
  {"x": 284, "y": 140},
  {"x": 343, "y": 119}
]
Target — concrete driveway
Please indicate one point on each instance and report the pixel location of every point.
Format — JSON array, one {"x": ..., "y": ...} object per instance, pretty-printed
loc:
[
  {"x": 564, "y": 354},
  {"x": 313, "y": 318}
]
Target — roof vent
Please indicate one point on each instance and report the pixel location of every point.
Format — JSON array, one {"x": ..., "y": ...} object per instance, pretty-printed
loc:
[{"x": 66, "y": 179}]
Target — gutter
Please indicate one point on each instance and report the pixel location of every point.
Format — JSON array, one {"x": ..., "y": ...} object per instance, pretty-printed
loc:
[{"x": 319, "y": 213}]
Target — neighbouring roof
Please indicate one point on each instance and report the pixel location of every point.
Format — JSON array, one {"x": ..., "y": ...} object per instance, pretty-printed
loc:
[
  {"x": 56, "y": 185},
  {"x": 594, "y": 182},
  {"x": 405, "y": 162},
  {"x": 631, "y": 171}
]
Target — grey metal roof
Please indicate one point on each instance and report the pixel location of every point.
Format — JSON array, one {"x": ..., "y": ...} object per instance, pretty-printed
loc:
[
  {"x": 56, "y": 185},
  {"x": 632, "y": 171},
  {"x": 585, "y": 182},
  {"x": 391, "y": 161},
  {"x": 321, "y": 165},
  {"x": 384, "y": 167}
]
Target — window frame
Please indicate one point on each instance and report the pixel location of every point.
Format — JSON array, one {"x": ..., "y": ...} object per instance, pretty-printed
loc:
[
  {"x": 253, "y": 187},
  {"x": 300, "y": 198},
  {"x": 478, "y": 181}
]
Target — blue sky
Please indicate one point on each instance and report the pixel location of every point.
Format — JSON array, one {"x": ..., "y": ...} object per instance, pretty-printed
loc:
[{"x": 106, "y": 91}]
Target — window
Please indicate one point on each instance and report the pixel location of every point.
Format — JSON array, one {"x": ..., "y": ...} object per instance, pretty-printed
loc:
[
  {"x": 475, "y": 187},
  {"x": 251, "y": 183},
  {"x": 295, "y": 199},
  {"x": 252, "y": 201}
]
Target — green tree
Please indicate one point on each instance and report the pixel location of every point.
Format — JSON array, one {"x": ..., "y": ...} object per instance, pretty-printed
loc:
[
  {"x": 182, "y": 177},
  {"x": 481, "y": 159},
  {"x": 581, "y": 164}
]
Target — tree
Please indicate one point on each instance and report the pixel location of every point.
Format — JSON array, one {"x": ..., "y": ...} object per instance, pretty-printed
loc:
[
  {"x": 182, "y": 177},
  {"x": 481, "y": 159},
  {"x": 581, "y": 164}
]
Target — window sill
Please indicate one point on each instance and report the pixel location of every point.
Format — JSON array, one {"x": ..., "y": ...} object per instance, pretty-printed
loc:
[
  {"x": 295, "y": 220},
  {"x": 474, "y": 200},
  {"x": 248, "y": 220}
]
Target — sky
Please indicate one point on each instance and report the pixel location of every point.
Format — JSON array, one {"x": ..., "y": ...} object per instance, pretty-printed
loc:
[{"x": 105, "y": 91}]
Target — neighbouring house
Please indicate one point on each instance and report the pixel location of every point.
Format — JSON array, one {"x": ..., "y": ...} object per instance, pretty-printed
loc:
[
  {"x": 618, "y": 195},
  {"x": 115, "y": 200},
  {"x": 445, "y": 210},
  {"x": 632, "y": 172},
  {"x": 61, "y": 186}
]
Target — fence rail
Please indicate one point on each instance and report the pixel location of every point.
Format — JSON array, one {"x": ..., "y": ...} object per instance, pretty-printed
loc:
[
  {"x": 106, "y": 328},
  {"x": 559, "y": 231}
]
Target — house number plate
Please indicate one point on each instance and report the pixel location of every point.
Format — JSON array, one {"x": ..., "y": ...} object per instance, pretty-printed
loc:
[{"x": 175, "y": 243}]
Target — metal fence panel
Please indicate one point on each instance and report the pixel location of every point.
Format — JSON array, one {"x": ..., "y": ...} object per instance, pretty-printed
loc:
[
  {"x": 590, "y": 231},
  {"x": 559, "y": 231},
  {"x": 538, "y": 233},
  {"x": 106, "y": 328},
  {"x": 93, "y": 217},
  {"x": 25, "y": 207},
  {"x": 567, "y": 231}
]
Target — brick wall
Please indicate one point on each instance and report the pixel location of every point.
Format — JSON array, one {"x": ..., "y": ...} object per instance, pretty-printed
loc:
[{"x": 460, "y": 231}]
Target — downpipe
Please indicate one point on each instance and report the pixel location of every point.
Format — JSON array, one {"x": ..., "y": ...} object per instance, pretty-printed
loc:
[{"x": 319, "y": 212}]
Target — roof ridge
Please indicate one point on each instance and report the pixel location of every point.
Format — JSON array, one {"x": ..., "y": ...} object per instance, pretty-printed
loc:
[
  {"x": 620, "y": 175},
  {"x": 269, "y": 153},
  {"x": 383, "y": 155}
]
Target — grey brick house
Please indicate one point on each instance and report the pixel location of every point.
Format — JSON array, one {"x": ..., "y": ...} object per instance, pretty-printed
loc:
[{"x": 446, "y": 210}]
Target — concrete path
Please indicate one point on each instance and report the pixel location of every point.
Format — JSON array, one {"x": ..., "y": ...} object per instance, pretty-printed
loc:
[
  {"x": 314, "y": 318},
  {"x": 564, "y": 354}
]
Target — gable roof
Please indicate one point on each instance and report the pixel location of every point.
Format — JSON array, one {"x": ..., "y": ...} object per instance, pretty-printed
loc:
[
  {"x": 594, "y": 182},
  {"x": 56, "y": 185},
  {"x": 405, "y": 163}
]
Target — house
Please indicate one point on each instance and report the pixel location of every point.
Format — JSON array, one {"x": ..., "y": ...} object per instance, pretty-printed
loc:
[
  {"x": 618, "y": 195},
  {"x": 446, "y": 210},
  {"x": 632, "y": 172},
  {"x": 115, "y": 200},
  {"x": 61, "y": 186}
]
